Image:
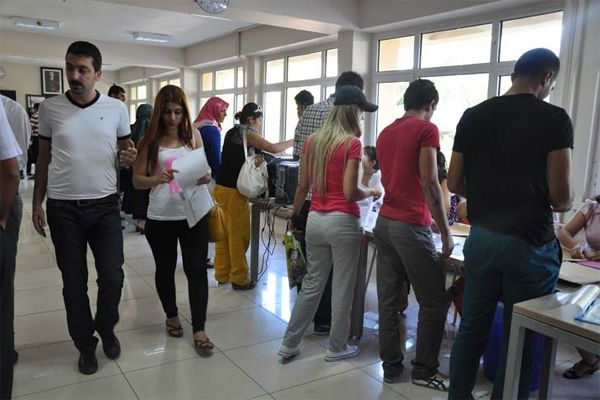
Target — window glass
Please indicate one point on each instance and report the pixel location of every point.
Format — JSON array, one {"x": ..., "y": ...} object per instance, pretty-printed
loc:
[
  {"x": 331, "y": 68},
  {"x": 306, "y": 66},
  {"x": 397, "y": 53},
  {"x": 329, "y": 90},
  {"x": 291, "y": 113},
  {"x": 240, "y": 77},
  {"x": 272, "y": 116},
  {"x": 461, "y": 46},
  {"x": 520, "y": 35},
  {"x": 274, "y": 71},
  {"x": 207, "y": 81},
  {"x": 225, "y": 79},
  {"x": 389, "y": 99},
  {"x": 504, "y": 84},
  {"x": 203, "y": 101},
  {"x": 141, "y": 92},
  {"x": 175, "y": 82},
  {"x": 163, "y": 84},
  {"x": 240, "y": 101},
  {"x": 132, "y": 109},
  {"x": 457, "y": 93},
  {"x": 133, "y": 93}
]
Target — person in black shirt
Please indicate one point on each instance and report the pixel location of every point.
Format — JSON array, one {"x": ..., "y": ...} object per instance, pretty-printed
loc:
[
  {"x": 230, "y": 253},
  {"x": 511, "y": 160}
]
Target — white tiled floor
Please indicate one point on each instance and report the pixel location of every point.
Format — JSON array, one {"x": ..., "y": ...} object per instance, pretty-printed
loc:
[{"x": 246, "y": 328}]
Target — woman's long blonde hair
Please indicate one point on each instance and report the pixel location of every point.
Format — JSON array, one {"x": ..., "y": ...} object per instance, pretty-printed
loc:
[{"x": 341, "y": 125}]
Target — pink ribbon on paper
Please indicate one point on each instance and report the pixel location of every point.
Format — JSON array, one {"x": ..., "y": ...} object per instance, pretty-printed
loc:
[{"x": 173, "y": 185}]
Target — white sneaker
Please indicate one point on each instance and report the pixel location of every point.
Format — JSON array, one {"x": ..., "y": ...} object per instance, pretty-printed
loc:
[
  {"x": 288, "y": 352},
  {"x": 348, "y": 351}
]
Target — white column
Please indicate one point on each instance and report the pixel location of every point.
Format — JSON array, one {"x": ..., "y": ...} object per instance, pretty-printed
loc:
[
  {"x": 254, "y": 79},
  {"x": 190, "y": 85},
  {"x": 354, "y": 54}
]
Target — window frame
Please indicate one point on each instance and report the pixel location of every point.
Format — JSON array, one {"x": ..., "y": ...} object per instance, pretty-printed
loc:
[
  {"x": 137, "y": 102},
  {"x": 494, "y": 67},
  {"x": 323, "y": 81},
  {"x": 235, "y": 91}
]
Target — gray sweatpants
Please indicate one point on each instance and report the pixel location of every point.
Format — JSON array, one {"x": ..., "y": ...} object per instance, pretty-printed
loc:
[
  {"x": 330, "y": 237},
  {"x": 407, "y": 250}
]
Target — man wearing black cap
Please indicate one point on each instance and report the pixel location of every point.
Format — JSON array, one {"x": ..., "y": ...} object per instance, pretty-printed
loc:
[{"x": 406, "y": 151}]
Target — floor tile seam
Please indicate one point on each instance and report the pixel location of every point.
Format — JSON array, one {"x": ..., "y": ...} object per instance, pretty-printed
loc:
[
  {"x": 62, "y": 309},
  {"x": 318, "y": 379},
  {"x": 127, "y": 380},
  {"x": 245, "y": 373},
  {"x": 69, "y": 384},
  {"x": 388, "y": 385},
  {"x": 184, "y": 358},
  {"x": 250, "y": 345}
]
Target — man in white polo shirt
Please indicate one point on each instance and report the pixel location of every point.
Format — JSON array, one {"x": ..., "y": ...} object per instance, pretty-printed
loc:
[
  {"x": 9, "y": 177},
  {"x": 79, "y": 133}
]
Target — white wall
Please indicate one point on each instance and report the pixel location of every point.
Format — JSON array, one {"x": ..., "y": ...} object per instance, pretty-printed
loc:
[{"x": 26, "y": 79}]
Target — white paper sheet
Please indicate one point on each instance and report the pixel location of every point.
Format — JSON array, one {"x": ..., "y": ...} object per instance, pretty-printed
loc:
[
  {"x": 197, "y": 202},
  {"x": 191, "y": 166}
]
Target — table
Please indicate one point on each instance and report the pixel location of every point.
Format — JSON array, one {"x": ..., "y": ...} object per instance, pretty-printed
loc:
[
  {"x": 549, "y": 317},
  {"x": 358, "y": 304}
]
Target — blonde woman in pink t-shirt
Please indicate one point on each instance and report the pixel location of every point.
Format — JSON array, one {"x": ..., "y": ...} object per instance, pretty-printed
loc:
[
  {"x": 329, "y": 164},
  {"x": 588, "y": 219}
]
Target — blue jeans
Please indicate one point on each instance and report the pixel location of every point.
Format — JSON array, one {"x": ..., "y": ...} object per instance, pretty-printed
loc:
[
  {"x": 498, "y": 267},
  {"x": 73, "y": 226}
]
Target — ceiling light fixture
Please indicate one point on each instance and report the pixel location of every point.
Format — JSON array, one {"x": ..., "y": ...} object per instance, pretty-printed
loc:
[
  {"x": 213, "y": 6},
  {"x": 36, "y": 23},
  {"x": 152, "y": 37}
]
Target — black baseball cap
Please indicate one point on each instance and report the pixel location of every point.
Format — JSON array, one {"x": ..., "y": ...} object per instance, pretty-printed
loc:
[{"x": 348, "y": 94}]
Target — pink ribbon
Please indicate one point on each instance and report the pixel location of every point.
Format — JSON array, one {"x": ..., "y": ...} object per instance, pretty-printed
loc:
[{"x": 173, "y": 185}]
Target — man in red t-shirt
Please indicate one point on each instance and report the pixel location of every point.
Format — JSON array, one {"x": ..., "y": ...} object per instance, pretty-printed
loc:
[{"x": 406, "y": 151}]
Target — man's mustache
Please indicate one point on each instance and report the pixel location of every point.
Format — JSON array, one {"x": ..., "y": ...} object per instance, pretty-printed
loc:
[{"x": 73, "y": 83}]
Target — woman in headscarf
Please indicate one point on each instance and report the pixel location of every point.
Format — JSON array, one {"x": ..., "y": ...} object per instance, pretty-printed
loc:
[
  {"x": 209, "y": 121},
  {"x": 139, "y": 198}
]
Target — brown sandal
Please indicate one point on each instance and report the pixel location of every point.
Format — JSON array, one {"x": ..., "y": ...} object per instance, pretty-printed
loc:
[
  {"x": 575, "y": 372},
  {"x": 203, "y": 346},
  {"x": 174, "y": 330}
]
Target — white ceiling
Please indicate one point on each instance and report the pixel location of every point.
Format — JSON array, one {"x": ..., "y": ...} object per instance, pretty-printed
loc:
[{"x": 98, "y": 20}]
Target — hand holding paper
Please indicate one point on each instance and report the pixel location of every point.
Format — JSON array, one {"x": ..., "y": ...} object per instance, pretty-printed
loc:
[{"x": 192, "y": 166}]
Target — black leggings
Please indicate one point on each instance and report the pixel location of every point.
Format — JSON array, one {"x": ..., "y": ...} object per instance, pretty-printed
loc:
[{"x": 162, "y": 237}]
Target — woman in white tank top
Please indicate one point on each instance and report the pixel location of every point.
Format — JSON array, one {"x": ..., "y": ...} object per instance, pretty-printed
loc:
[{"x": 170, "y": 136}]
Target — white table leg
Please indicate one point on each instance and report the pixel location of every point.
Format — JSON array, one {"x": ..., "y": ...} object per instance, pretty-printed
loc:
[
  {"x": 549, "y": 360},
  {"x": 514, "y": 358}
]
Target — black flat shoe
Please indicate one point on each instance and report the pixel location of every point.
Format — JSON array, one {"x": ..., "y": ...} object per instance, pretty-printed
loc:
[
  {"x": 247, "y": 286},
  {"x": 88, "y": 363},
  {"x": 111, "y": 346}
]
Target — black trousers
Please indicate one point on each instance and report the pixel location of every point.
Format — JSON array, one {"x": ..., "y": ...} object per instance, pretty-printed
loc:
[
  {"x": 74, "y": 225},
  {"x": 323, "y": 314},
  {"x": 32, "y": 152},
  {"x": 162, "y": 237},
  {"x": 8, "y": 249},
  {"x": 8, "y": 252}
]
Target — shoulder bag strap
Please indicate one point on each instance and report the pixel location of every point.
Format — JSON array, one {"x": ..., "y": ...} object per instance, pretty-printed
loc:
[{"x": 245, "y": 140}]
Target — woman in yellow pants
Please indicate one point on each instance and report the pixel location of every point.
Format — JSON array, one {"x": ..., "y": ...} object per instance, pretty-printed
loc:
[{"x": 230, "y": 258}]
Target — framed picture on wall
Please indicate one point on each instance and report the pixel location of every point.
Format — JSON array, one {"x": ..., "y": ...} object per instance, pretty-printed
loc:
[
  {"x": 52, "y": 80},
  {"x": 32, "y": 99}
]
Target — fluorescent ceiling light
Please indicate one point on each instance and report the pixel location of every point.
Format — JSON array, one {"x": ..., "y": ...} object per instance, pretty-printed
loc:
[
  {"x": 36, "y": 23},
  {"x": 152, "y": 37}
]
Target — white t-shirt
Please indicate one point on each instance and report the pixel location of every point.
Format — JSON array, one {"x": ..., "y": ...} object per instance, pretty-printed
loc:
[
  {"x": 164, "y": 205},
  {"x": 84, "y": 145},
  {"x": 19, "y": 122},
  {"x": 9, "y": 148}
]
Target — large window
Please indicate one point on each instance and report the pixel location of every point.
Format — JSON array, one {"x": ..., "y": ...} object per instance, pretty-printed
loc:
[
  {"x": 467, "y": 64},
  {"x": 138, "y": 95},
  {"x": 170, "y": 81},
  {"x": 228, "y": 84},
  {"x": 285, "y": 77}
]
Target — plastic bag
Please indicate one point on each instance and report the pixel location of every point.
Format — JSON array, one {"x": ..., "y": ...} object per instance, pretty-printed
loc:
[{"x": 296, "y": 262}]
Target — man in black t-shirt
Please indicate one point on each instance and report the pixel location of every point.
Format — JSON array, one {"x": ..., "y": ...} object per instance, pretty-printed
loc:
[{"x": 511, "y": 159}]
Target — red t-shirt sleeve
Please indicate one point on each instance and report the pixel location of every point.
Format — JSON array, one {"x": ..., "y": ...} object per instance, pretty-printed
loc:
[
  {"x": 430, "y": 137},
  {"x": 355, "y": 149}
]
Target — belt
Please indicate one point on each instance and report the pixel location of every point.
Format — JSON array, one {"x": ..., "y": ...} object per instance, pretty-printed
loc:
[{"x": 113, "y": 198}]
